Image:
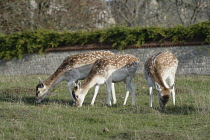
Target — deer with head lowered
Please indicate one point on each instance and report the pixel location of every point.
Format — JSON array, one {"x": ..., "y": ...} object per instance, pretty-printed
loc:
[
  {"x": 110, "y": 69},
  {"x": 158, "y": 69},
  {"x": 73, "y": 68}
]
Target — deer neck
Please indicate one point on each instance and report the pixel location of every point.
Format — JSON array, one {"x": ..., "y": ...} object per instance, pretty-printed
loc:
[
  {"x": 157, "y": 73},
  {"x": 89, "y": 82},
  {"x": 158, "y": 78},
  {"x": 55, "y": 78}
]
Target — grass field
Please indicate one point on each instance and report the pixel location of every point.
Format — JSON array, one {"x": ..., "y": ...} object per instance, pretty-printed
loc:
[{"x": 56, "y": 118}]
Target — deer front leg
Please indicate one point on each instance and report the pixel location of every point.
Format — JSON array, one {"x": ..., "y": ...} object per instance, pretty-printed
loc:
[
  {"x": 150, "y": 96},
  {"x": 109, "y": 89},
  {"x": 150, "y": 85},
  {"x": 114, "y": 94},
  {"x": 95, "y": 94},
  {"x": 69, "y": 87},
  {"x": 173, "y": 95},
  {"x": 171, "y": 84},
  {"x": 70, "y": 91},
  {"x": 159, "y": 96},
  {"x": 71, "y": 76}
]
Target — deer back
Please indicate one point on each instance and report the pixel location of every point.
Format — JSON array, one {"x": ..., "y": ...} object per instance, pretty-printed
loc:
[
  {"x": 112, "y": 63},
  {"x": 76, "y": 61},
  {"x": 160, "y": 66}
]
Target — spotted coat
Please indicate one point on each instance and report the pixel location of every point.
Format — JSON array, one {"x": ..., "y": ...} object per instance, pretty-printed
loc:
[
  {"x": 107, "y": 65},
  {"x": 109, "y": 69},
  {"x": 76, "y": 61},
  {"x": 115, "y": 62},
  {"x": 160, "y": 65}
]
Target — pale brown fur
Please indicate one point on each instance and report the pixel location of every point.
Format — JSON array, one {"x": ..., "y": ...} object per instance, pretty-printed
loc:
[
  {"x": 158, "y": 68},
  {"x": 67, "y": 71},
  {"x": 158, "y": 65},
  {"x": 76, "y": 61},
  {"x": 115, "y": 62},
  {"x": 101, "y": 73}
]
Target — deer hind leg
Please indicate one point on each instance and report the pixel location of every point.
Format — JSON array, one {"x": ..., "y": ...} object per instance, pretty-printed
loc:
[
  {"x": 95, "y": 94},
  {"x": 171, "y": 84},
  {"x": 113, "y": 94},
  {"x": 133, "y": 89},
  {"x": 128, "y": 87}
]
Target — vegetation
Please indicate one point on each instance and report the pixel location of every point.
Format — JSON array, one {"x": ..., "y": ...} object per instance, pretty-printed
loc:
[
  {"x": 17, "y": 44},
  {"x": 73, "y": 15},
  {"x": 56, "y": 118},
  {"x": 17, "y": 16}
]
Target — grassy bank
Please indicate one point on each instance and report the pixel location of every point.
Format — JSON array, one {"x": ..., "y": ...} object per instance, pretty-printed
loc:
[{"x": 56, "y": 118}]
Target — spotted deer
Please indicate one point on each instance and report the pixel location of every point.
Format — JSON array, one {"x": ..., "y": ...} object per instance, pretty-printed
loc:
[
  {"x": 158, "y": 69},
  {"x": 73, "y": 68},
  {"x": 110, "y": 69}
]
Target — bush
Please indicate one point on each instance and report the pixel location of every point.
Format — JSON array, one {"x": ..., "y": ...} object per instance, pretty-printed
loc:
[{"x": 15, "y": 45}]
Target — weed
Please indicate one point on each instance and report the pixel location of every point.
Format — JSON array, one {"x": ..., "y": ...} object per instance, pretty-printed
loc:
[{"x": 56, "y": 117}]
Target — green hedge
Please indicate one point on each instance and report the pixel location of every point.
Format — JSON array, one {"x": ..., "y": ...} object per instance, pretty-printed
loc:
[{"x": 15, "y": 45}]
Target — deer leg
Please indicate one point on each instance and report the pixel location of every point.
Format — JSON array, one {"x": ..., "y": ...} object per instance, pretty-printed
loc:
[
  {"x": 159, "y": 96},
  {"x": 72, "y": 75},
  {"x": 150, "y": 85},
  {"x": 113, "y": 94},
  {"x": 150, "y": 96},
  {"x": 109, "y": 89},
  {"x": 95, "y": 94},
  {"x": 70, "y": 91},
  {"x": 171, "y": 83},
  {"x": 133, "y": 89},
  {"x": 173, "y": 95},
  {"x": 128, "y": 83}
]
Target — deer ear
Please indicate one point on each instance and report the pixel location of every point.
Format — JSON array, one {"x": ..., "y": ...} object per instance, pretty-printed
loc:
[
  {"x": 157, "y": 86},
  {"x": 79, "y": 84},
  {"x": 172, "y": 86},
  {"x": 74, "y": 84},
  {"x": 40, "y": 80}
]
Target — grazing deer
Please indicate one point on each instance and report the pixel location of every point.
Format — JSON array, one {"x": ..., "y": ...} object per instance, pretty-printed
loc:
[
  {"x": 73, "y": 68},
  {"x": 158, "y": 69},
  {"x": 110, "y": 69}
]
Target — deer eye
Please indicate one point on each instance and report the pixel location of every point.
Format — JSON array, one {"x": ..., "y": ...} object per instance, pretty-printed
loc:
[
  {"x": 37, "y": 93},
  {"x": 41, "y": 85},
  {"x": 74, "y": 96}
]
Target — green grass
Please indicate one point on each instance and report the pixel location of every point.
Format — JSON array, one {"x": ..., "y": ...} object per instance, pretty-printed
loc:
[{"x": 56, "y": 118}]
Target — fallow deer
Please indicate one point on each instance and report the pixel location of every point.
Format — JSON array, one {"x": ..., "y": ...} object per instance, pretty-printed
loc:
[
  {"x": 110, "y": 69},
  {"x": 73, "y": 68},
  {"x": 157, "y": 70}
]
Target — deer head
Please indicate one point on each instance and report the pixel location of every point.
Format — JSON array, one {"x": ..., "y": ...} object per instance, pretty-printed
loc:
[
  {"x": 78, "y": 94},
  {"x": 41, "y": 91},
  {"x": 164, "y": 94}
]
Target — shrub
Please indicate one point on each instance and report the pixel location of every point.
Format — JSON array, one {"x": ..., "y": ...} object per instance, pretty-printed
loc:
[{"x": 17, "y": 44}]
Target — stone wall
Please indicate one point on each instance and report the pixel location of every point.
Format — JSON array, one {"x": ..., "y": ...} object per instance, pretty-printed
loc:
[{"x": 192, "y": 60}]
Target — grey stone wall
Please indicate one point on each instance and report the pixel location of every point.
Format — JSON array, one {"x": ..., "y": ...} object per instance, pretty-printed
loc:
[{"x": 192, "y": 60}]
